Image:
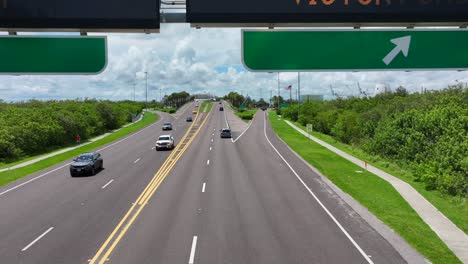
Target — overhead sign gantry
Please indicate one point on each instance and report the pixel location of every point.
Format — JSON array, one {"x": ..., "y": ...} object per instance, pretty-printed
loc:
[
  {"x": 208, "y": 13},
  {"x": 80, "y": 15}
]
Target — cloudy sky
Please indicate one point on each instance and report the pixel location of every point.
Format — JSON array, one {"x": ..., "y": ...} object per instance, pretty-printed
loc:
[{"x": 200, "y": 61}]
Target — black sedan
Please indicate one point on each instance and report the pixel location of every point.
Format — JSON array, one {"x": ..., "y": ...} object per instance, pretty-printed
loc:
[
  {"x": 87, "y": 163},
  {"x": 189, "y": 119},
  {"x": 225, "y": 133}
]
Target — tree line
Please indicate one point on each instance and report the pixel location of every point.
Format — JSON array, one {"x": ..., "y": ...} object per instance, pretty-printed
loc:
[
  {"x": 427, "y": 132},
  {"x": 34, "y": 127}
]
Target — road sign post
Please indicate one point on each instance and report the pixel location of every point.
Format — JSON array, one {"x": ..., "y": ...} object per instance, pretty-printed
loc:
[
  {"x": 354, "y": 50},
  {"x": 22, "y": 55}
]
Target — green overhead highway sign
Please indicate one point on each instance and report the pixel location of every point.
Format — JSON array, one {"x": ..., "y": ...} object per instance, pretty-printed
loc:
[
  {"x": 20, "y": 55},
  {"x": 354, "y": 50}
]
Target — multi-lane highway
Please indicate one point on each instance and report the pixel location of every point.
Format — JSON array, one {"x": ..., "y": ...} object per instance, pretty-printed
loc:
[{"x": 209, "y": 201}]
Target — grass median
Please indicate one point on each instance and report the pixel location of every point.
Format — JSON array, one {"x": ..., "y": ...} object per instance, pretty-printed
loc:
[
  {"x": 206, "y": 106},
  {"x": 378, "y": 196},
  {"x": 12, "y": 175},
  {"x": 246, "y": 115}
]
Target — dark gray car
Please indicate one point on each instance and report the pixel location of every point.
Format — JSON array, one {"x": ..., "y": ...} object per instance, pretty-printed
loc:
[
  {"x": 86, "y": 164},
  {"x": 167, "y": 126},
  {"x": 225, "y": 133}
]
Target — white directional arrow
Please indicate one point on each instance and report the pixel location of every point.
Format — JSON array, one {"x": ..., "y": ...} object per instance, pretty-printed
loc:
[{"x": 402, "y": 44}]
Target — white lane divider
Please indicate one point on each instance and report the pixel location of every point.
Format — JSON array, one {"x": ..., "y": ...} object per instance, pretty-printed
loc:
[
  {"x": 210, "y": 148},
  {"x": 192, "y": 251},
  {"x": 366, "y": 257},
  {"x": 153, "y": 147},
  {"x": 211, "y": 140},
  {"x": 105, "y": 185},
  {"x": 137, "y": 160},
  {"x": 37, "y": 239},
  {"x": 208, "y": 162},
  {"x": 203, "y": 188}
]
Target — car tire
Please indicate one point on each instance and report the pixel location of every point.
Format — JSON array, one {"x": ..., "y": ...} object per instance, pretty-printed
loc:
[
  {"x": 72, "y": 174},
  {"x": 102, "y": 165},
  {"x": 93, "y": 171}
]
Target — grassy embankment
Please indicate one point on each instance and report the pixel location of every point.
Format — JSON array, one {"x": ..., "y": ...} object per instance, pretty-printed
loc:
[
  {"x": 378, "y": 196},
  {"x": 453, "y": 207}
]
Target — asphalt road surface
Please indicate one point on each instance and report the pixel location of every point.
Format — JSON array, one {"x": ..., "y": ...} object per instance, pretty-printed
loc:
[{"x": 219, "y": 202}]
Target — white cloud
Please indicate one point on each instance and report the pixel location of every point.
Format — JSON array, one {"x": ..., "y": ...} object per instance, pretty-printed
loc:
[{"x": 200, "y": 60}]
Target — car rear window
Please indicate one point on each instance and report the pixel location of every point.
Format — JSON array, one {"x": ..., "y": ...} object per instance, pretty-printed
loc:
[{"x": 163, "y": 138}]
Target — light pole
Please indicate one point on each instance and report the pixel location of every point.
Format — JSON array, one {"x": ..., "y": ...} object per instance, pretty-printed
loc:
[
  {"x": 298, "y": 94},
  {"x": 146, "y": 90},
  {"x": 134, "y": 83},
  {"x": 278, "y": 92}
]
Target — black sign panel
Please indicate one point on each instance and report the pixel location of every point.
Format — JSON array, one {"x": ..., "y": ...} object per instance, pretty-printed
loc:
[
  {"x": 327, "y": 11},
  {"x": 112, "y": 15}
]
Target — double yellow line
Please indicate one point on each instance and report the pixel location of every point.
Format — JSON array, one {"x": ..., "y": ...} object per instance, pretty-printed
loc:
[{"x": 123, "y": 226}]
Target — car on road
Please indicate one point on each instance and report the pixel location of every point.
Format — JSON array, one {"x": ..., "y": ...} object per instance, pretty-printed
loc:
[
  {"x": 225, "y": 133},
  {"x": 189, "y": 119},
  {"x": 86, "y": 163},
  {"x": 194, "y": 112},
  {"x": 165, "y": 142},
  {"x": 221, "y": 108},
  {"x": 220, "y": 102},
  {"x": 167, "y": 126}
]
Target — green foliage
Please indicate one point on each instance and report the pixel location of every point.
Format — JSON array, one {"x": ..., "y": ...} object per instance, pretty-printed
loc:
[
  {"x": 34, "y": 127},
  {"x": 246, "y": 114},
  {"x": 177, "y": 100},
  {"x": 427, "y": 132}
]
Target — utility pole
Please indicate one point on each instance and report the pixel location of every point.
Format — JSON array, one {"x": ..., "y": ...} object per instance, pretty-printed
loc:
[
  {"x": 298, "y": 93},
  {"x": 134, "y": 83},
  {"x": 160, "y": 94},
  {"x": 146, "y": 91},
  {"x": 271, "y": 97},
  {"x": 278, "y": 92}
]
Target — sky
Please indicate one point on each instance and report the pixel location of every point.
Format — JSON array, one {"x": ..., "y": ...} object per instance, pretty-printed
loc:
[{"x": 206, "y": 60}]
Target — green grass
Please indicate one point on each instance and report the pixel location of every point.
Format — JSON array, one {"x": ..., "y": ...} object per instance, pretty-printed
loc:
[
  {"x": 378, "y": 196},
  {"x": 246, "y": 115},
  {"x": 206, "y": 106},
  {"x": 12, "y": 175},
  {"x": 454, "y": 208}
]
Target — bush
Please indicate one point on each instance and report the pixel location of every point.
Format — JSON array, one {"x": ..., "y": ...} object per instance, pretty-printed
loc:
[
  {"x": 34, "y": 127},
  {"x": 426, "y": 132}
]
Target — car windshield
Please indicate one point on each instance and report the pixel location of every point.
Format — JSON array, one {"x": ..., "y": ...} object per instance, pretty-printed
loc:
[
  {"x": 85, "y": 157},
  {"x": 163, "y": 138},
  {"x": 226, "y": 130},
  {"x": 167, "y": 124}
]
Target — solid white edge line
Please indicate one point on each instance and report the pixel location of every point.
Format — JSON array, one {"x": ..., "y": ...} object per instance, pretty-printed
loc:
[
  {"x": 316, "y": 198},
  {"x": 37, "y": 239},
  {"x": 243, "y": 132},
  {"x": 137, "y": 160},
  {"x": 203, "y": 188},
  {"x": 113, "y": 144},
  {"x": 105, "y": 185},
  {"x": 192, "y": 251}
]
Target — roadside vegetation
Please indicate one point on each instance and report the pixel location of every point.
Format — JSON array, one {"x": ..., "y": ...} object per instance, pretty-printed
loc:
[
  {"x": 246, "y": 115},
  {"x": 35, "y": 127},
  {"x": 420, "y": 138},
  {"x": 378, "y": 196},
  {"x": 11, "y": 175}
]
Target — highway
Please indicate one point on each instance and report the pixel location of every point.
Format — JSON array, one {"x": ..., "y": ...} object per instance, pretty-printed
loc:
[{"x": 213, "y": 201}]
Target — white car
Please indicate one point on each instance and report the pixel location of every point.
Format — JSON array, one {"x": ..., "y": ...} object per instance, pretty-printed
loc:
[{"x": 165, "y": 142}]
